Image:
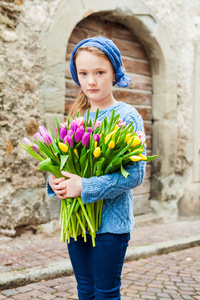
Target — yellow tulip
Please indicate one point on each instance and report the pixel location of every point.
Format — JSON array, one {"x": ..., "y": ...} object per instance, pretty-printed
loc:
[
  {"x": 76, "y": 152},
  {"x": 97, "y": 152},
  {"x": 95, "y": 144},
  {"x": 127, "y": 137},
  {"x": 135, "y": 142},
  {"x": 143, "y": 157},
  {"x": 111, "y": 145},
  {"x": 116, "y": 127},
  {"x": 63, "y": 147},
  {"x": 135, "y": 158},
  {"x": 109, "y": 135}
]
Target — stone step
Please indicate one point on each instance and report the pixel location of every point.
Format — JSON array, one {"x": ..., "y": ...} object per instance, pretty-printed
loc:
[{"x": 147, "y": 219}]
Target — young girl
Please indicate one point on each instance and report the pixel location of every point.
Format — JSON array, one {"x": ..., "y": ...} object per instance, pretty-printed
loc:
[{"x": 96, "y": 66}]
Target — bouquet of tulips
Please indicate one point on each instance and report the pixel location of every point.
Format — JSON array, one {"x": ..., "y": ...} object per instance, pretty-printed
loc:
[{"x": 86, "y": 148}]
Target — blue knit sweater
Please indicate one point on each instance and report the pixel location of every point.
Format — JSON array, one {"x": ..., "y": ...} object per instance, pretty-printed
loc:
[{"x": 115, "y": 189}]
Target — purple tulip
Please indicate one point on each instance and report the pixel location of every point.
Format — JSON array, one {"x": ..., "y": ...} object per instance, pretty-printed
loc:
[
  {"x": 86, "y": 139},
  {"x": 69, "y": 132},
  {"x": 62, "y": 132},
  {"x": 78, "y": 135},
  {"x": 47, "y": 139},
  {"x": 89, "y": 130},
  {"x": 27, "y": 142},
  {"x": 74, "y": 126},
  {"x": 35, "y": 147},
  {"x": 37, "y": 136},
  {"x": 96, "y": 137},
  {"x": 68, "y": 139}
]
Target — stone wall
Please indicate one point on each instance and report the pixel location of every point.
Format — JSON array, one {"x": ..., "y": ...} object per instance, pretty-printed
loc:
[{"x": 32, "y": 92}]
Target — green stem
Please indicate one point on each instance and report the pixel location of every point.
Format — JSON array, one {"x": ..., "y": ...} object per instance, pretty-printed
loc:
[{"x": 85, "y": 214}]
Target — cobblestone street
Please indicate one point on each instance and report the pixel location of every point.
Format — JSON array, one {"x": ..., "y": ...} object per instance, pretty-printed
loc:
[{"x": 170, "y": 276}]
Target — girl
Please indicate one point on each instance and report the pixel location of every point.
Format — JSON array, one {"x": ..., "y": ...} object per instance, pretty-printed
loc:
[{"x": 96, "y": 66}]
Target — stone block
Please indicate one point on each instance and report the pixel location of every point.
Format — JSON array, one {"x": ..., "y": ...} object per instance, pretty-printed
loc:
[
  {"x": 164, "y": 143},
  {"x": 167, "y": 209},
  {"x": 189, "y": 203},
  {"x": 141, "y": 204},
  {"x": 164, "y": 106}
]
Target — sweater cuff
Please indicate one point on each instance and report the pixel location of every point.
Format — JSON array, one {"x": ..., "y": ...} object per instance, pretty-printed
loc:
[{"x": 50, "y": 192}]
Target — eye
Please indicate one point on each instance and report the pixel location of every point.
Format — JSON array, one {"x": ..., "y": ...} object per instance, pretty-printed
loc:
[
  {"x": 82, "y": 74},
  {"x": 100, "y": 72}
]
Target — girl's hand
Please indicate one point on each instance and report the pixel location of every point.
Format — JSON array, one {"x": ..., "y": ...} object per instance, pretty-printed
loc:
[
  {"x": 55, "y": 184},
  {"x": 72, "y": 186}
]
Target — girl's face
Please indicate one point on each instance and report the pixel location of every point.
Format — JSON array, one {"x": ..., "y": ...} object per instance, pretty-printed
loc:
[{"x": 96, "y": 76}]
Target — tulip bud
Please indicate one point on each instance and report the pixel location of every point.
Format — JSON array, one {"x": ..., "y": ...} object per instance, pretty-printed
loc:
[
  {"x": 62, "y": 132},
  {"x": 135, "y": 158},
  {"x": 111, "y": 145},
  {"x": 97, "y": 152},
  {"x": 76, "y": 152},
  {"x": 35, "y": 147},
  {"x": 69, "y": 132},
  {"x": 97, "y": 124},
  {"x": 63, "y": 147},
  {"x": 96, "y": 137},
  {"x": 27, "y": 142},
  {"x": 143, "y": 157},
  {"x": 86, "y": 139},
  {"x": 80, "y": 121},
  {"x": 68, "y": 139},
  {"x": 47, "y": 139},
  {"x": 37, "y": 136},
  {"x": 74, "y": 126},
  {"x": 42, "y": 130},
  {"x": 141, "y": 136},
  {"x": 89, "y": 130},
  {"x": 135, "y": 142},
  {"x": 78, "y": 135}
]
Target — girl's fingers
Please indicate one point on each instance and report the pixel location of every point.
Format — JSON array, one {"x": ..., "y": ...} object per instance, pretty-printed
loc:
[{"x": 58, "y": 180}]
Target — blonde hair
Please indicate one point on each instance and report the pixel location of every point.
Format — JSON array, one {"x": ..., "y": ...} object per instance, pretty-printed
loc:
[{"x": 82, "y": 103}]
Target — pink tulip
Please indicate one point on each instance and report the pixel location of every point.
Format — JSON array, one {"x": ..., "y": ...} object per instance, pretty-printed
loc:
[
  {"x": 27, "y": 142},
  {"x": 35, "y": 147},
  {"x": 78, "y": 134},
  {"x": 97, "y": 124},
  {"x": 121, "y": 123},
  {"x": 62, "y": 132},
  {"x": 89, "y": 130},
  {"x": 68, "y": 139},
  {"x": 69, "y": 132},
  {"x": 74, "y": 126},
  {"x": 37, "y": 136},
  {"x": 141, "y": 135},
  {"x": 86, "y": 139},
  {"x": 96, "y": 137},
  {"x": 80, "y": 121},
  {"x": 42, "y": 130},
  {"x": 47, "y": 139}
]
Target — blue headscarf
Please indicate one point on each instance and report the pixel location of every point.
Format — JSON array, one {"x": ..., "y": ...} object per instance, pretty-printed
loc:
[{"x": 113, "y": 53}]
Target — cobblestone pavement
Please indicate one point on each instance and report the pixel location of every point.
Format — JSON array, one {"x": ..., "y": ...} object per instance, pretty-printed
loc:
[
  {"x": 31, "y": 250},
  {"x": 170, "y": 276}
]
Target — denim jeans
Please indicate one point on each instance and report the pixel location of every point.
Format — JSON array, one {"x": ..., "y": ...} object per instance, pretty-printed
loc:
[{"x": 98, "y": 269}]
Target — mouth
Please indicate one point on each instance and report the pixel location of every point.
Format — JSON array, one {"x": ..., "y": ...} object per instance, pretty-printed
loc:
[{"x": 93, "y": 90}]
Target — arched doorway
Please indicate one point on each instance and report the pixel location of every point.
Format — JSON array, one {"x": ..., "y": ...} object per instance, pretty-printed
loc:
[{"x": 137, "y": 94}]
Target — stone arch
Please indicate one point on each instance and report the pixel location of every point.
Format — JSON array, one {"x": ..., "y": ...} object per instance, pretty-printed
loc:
[{"x": 136, "y": 16}]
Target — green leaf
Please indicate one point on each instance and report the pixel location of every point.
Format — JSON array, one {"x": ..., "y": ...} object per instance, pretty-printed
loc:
[
  {"x": 55, "y": 170},
  {"x": 124, "y": 172},
  {"x": 32, "y": 152},
  {"x": 63, "y": 159},
  {"x": 96, "y": 116},
  {"x": 151, "y": 157}
]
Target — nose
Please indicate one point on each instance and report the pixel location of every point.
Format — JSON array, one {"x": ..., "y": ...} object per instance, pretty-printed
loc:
[{"x": 91, "y": 80}]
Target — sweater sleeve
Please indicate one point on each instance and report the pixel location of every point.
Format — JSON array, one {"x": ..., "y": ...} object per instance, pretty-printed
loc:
[
  {"x": 111, "y": 185},
  {"x": 50, "y": 192}
]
